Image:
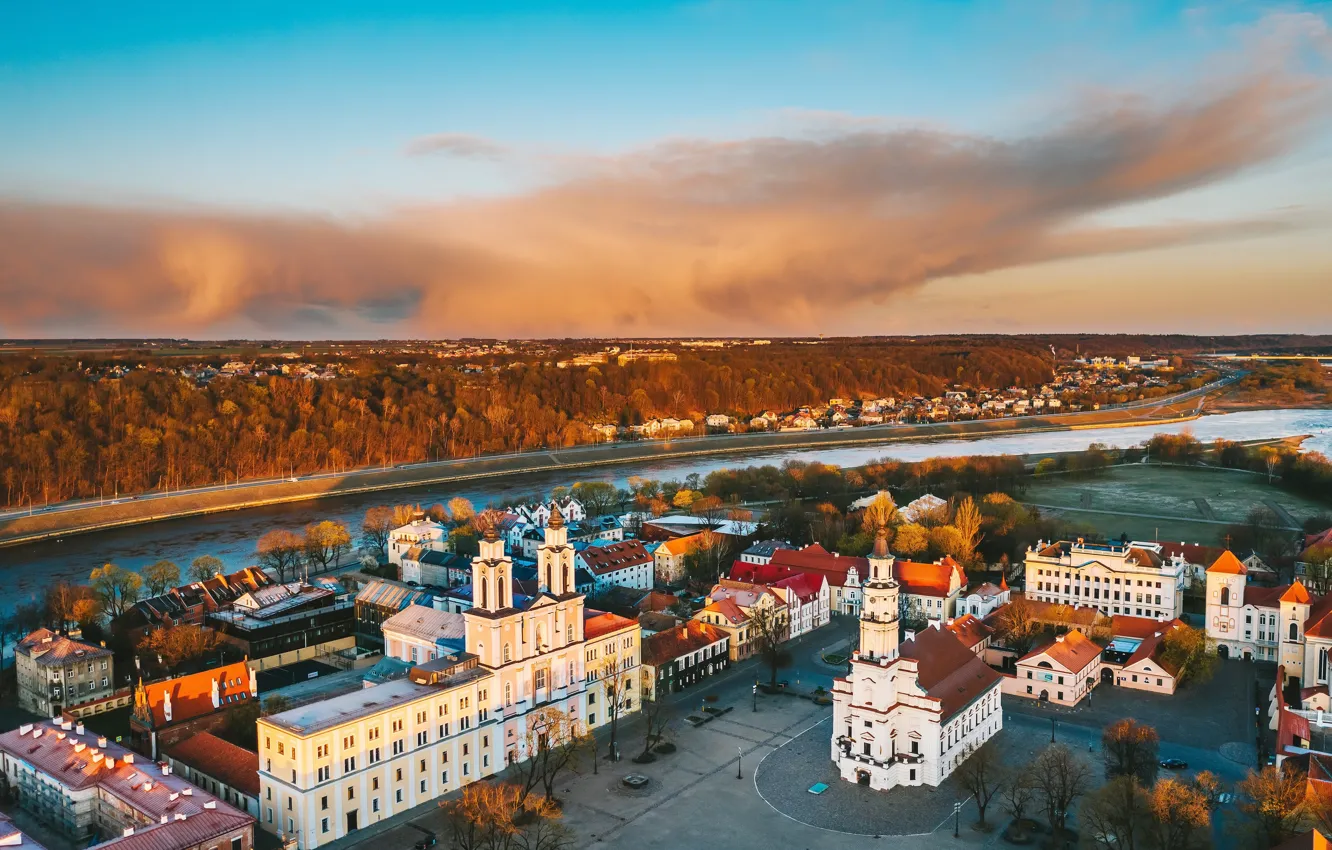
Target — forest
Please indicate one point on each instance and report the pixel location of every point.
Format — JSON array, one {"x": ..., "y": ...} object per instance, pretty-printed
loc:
[{"x": 68, "y": 431}]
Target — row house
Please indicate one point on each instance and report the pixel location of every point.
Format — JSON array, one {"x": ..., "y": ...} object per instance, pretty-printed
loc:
[
  {"x": 170, "y": 711},
  {"x": 681, "y": 656},
  {"x": 808, "y": 599}
]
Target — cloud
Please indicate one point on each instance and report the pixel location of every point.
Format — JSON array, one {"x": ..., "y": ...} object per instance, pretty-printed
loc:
[
  {"x": 461, "y": 145},
  {"x": 687, "y": 236}
]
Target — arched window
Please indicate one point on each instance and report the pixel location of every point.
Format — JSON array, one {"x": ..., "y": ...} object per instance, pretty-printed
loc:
[
  {"x": 1225, "y": 596},
  {"x": 1294, "y": 630}
]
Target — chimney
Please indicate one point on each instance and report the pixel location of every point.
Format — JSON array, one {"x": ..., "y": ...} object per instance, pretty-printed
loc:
[
  {"x": 101, "y": 742},
  {"x": 211, "y": 804},
  {"x": 188, "y": 790},
  {"x": 25, "y": 728},
  {"x": 129, "y": 830},
  {"x": 165, "y": 767},
  {"x": 78, "y": 730},
  {"x": 129, "y": 758},
  {"x": 164, "y": 819},
  {"x": 148, "y": 786},
  {"x": 1059, "y": 639}
]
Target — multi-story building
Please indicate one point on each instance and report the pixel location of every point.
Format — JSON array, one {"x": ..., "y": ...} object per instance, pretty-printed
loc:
[
  {"x": 675, "y": 658},
  {"x": 908, "y": 715},
  {"x": 808, "y": 599},
  {"x": 751, "y": 598},
  {"x": 669, "y": 558},
  {"x": 276, "y": 636},
  {"x": 219, "y": 767},
  {"x": 1062, "y": 671},
  {"x": 622, "y": 564},
  {"x": 612, "y": 652},
  {"x": 1132, "y": 579},
  {"x": 329, "y": 768},
  {"x": 57, "y": 672},
  {"x": 417, "y": 634},
  {"x": 189, "y": 603},
  {"x": 1285, "y": 624},
  {"x": 96, "y": 792}
]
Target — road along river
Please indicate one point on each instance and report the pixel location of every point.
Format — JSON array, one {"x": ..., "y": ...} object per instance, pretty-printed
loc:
[{"x": 231, "y": 536}]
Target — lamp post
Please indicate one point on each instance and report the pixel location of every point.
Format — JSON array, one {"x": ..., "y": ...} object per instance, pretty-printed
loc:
[
  {"x": 738, "y": 753},
  {"x": 1052, "y": 730},
  {"x": 957, "y": 814},
  {"x": 756, "y": 695}
]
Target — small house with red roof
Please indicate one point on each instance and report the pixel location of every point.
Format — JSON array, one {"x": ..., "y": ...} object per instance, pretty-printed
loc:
[{"x": 1062, "y": 671}]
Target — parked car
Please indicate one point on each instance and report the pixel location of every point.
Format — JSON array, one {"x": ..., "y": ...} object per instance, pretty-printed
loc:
[{"x": 1174, "y": 764}]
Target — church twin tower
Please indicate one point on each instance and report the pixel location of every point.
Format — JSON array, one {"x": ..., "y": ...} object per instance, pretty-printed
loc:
[{"x": 492, "y": 572}]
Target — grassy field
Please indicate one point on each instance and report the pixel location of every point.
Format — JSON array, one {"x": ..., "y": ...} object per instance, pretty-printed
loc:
[{"x": 1166, "y": 503}]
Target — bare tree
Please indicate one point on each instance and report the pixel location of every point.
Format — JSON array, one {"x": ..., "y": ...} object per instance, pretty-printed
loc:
[
  {"x": 1129, "y": 749},
  {"x": 555, "y": 743},
  {"x": 1018, "y": 794},
  {"x": 611, "y": 671},
  {"x": 1181, "y": 815},
  {"x": 657, "y": 714},
  {"x": 281, "y": 551},
  {"x": 982, "y": 773},
  {"x": 1018, "y": 627},
  {"x": 767, "y": 632},
  {"x": 1061, "y": 778},
  {"x": 879, "y": 514},
  {"x": 1116, "y": 816},
  {"x": 375, "y": 528},
  {"x": 325, "y": 543},
  {"x": 499, "y": 816},
  {"x": 117, "y": 588}
]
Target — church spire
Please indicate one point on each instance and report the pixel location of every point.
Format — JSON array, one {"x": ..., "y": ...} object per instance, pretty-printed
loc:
[{"x": 556, "y": 518}]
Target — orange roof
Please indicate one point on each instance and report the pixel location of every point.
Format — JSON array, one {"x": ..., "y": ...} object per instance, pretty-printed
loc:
[
  {"x": 1296, "y": 594},
  {"x": 1135, "y": 627},
  {"x": 680, "y": 545},
  {"x": 948, "y": 671},
  {"x": 924, "y": 579},
  {"x": 192, "y": 695},
  {"x": 970, "y": 629},
  {"x": 657, "y": 601},
  {"x": 222, "y": 760},
  {"x": 598, "y": 623},
  {"x": 1073, "y": 650},
  {"x": 668, "y": 645},
  {"x": 1228, "y": 563},
  {"x": 728, "y": 609}
]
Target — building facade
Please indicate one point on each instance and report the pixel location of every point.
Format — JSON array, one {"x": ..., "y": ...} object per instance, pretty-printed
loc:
[
  {"x": 1132, "y": 579},
  {"x": 56, "y": 673},
  {"x": 332, "y": 767},
  {"x": 675, "y": 658}
]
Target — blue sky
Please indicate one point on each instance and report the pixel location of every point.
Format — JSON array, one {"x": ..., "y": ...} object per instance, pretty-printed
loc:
[{"x": 252, "y": 108}]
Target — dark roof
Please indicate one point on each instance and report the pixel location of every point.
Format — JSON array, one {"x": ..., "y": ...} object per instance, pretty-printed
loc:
[{"x": 222, "y": 760}]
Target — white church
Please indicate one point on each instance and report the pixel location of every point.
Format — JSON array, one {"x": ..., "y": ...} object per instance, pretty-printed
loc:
[{"x": 908, "y": 715}]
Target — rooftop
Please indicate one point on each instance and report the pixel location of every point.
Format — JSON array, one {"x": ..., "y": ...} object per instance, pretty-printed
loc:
[
  {"x": 425, "y": 623},
  {"x": 49, "y": 649},
  {"x": 220, "y": 759}
]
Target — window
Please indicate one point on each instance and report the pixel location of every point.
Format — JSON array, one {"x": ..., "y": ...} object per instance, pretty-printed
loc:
[
  {"x": 397, "y": 775},
  {"x": 1225, "y": 596},
  {"x": 423, "y": 786},
  {"x": 374, "y": 805},
  {"x": 397, "y": 796},
  {"x": 349, "y": 764},
  {"x": 323, "y": 803},
  {"x": 374, "y": 783},
  {"x": 323, "y": 825},
  {"x": 444, "y": 778},
  {"x": 1294, "y": 631}
]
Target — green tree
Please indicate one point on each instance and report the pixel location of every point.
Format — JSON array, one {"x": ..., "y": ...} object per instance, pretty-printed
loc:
[
  {"x": 116, "y": 588},
  {"x": 205, "y": 567},
  {"x": 160, "y": 577}
]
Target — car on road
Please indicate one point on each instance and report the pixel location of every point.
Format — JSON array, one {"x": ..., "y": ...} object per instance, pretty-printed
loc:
[{"x": 1174, "y": 764}]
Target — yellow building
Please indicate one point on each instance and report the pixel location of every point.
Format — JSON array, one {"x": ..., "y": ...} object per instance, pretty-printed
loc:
[{"x": 329, "y": 768}]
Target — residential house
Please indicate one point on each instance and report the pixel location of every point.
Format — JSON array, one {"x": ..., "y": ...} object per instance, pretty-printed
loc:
[
  {"x": 612, "y": 652},
  {"x": 760, "y": 552},
  {"x": 809, "y": 600},
  {"x": 974, "y": 633},
  {"x": 623, "y": 564},
  {"x": 983, "y": 600},
  {"x": 675, "y": 658},
  {"x": 421, "y": 535},
  {"x": 669, "y": 558},
  {"x": 727, "y": 616},
  {"x": 435, "y": 569},
  {"x": 229, "y": 772}
]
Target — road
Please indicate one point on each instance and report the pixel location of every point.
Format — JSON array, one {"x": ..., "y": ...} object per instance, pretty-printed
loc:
[{"x": 33, "y": 523}]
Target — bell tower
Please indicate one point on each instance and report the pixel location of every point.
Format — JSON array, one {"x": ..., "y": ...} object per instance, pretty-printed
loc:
[
  {"x": 878, "y": 615},
  {"x": 492, "y": 571},
  {"x": 555, "y": 557}
]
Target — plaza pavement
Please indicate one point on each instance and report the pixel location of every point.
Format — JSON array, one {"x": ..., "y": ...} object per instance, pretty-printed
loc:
[{"x": 695, "y": 799}]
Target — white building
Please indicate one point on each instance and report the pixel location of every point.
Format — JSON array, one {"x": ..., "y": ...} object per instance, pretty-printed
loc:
[
  {"x": 1285, "y": 624},
  {"x": 419, "y": 634},
  {"x": 539, "y": 513},
  {"x": 982, "y": 601},
  {"x": 809, "y": 599},
  {"x": 623, "y": 564},
  {"x": 908, "y": 717},
  {"x": 425, "y": 534},
  {"x": 1131, "y": 579}
]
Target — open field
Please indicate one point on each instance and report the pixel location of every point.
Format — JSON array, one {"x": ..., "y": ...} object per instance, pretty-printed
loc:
[{"x": 1168, "y": 503}]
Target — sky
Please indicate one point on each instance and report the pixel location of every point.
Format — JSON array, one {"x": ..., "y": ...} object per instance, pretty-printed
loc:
[{"x": 722, "y": 167}]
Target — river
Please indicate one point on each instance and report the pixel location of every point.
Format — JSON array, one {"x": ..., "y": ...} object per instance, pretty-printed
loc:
[{"x": 231, "y": 536}]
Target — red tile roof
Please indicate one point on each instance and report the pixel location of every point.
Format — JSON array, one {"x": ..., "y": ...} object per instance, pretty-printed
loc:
[
  {"x": 615, "y": 556},
  {"x": 192, "y": 695},
  {"x": 1072, "y": 650},
  {"x": 657, "y": 601},
  {"x": 813, "y": 558},
  {"x": 666, "y": 646},
  {"x": 728, "y": 609},
  {"x": 1296, "y": 593},
  {"x": 1152, "y": 647},
  {"x": 1193, "y": 553},
  {"x": 925, "y": 579},
  {"x": 1322, "y": 538},
  {"x": 948, "y": 670},
  {"x": 970, "y": 629},
  {"x": 598, "y": 623},
  {"x": 805, "y": 586},
  {"x": 1228, "y": 563},
  {"x": 222, "y": 760},
  {"x": 1134, "y": 627}
]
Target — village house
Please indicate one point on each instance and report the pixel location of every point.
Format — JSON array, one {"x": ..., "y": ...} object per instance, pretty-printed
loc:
[
  {"x": 983, "y": 600},
  {"x": 727, "y": 616},
  {"x": 752, "y": 598},
  {"x": 418, "y": 536},
  {"x": 669, "y": 558}
]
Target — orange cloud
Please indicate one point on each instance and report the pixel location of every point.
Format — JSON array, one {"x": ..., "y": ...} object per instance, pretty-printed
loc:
[{"x": 689, "y": 236}]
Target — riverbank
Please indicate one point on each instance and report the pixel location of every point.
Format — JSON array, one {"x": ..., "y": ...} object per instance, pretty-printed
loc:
[{"x": 93, "y": 517}]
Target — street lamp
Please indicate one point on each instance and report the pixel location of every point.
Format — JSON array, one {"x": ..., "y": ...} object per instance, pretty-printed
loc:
[
  {"x": 756, "y": 695},
  {"x": 738, "y": 753},
  {"x": 957, "y": 814},
  {"x": 1052, "y": 727}
]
